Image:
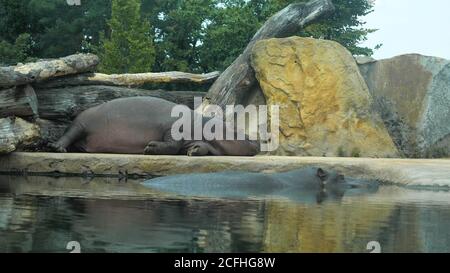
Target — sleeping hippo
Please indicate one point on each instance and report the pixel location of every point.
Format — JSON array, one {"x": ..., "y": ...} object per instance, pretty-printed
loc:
[
  {"x": 141, "y": 125},
  {"x": 306, "y": 185}
]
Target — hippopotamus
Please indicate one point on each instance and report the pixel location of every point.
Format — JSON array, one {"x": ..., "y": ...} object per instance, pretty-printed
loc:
[
  {"x": 303, "y": 185},
  {"x": 139, "y": 125}
]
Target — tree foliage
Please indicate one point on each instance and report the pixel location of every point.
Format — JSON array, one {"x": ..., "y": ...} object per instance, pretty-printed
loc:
[
  {"x": 129, "y": 47},
  {"x": 186, "y": 35}
]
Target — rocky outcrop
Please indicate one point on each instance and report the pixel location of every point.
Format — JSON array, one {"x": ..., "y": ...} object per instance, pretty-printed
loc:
[
  {"x": 325, "y": 106},
  {"x": 364, "y": 60},
  {"x": 66, "y": 103},
  {"x": 16, "y": 133},
  {"x": 412, "y": 93},
  {"x": 44, "y": 70},
  {"x": 48, "y": 94}
]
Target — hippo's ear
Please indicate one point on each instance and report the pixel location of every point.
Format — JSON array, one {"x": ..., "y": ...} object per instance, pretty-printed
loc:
[{"x": 322, "y": 174}]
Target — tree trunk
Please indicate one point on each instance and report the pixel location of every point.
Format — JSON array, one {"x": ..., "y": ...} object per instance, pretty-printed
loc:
[
  {"x": 65, "y": 103},
  {"x": 130, "y": 80},
  {"x": 18, "y": 101},
  {"x": 15, "y": 133},
  {"x": 44, "y": 70},
  {"x": 233, "y": 85}
]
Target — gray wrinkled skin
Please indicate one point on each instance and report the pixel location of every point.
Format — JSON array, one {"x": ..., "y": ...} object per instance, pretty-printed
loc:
[
  {"x": 307, "y": 185},
  {"x": 140, "y": 125}
]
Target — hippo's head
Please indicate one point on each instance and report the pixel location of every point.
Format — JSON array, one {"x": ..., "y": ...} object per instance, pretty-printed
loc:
[{"x": 337, "y": 185}]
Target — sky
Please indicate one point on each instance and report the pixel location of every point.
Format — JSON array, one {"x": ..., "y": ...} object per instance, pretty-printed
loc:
[{"x": 410, "y": 26}]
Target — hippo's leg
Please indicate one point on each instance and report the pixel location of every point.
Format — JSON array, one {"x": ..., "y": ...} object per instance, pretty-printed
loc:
[
  {"x": 75, "y": 132},
  {"x": 202, "y": 149},
  {"x": 167, "y": 147}
]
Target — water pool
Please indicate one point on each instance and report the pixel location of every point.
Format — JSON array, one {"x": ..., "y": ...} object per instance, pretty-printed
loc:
[{"x": 43, "y": 214}]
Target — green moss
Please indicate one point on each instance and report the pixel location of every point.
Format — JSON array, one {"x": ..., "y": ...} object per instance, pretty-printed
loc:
[
  {"x": 356, "y": 152},
  {"x": 341, "y": 152}
]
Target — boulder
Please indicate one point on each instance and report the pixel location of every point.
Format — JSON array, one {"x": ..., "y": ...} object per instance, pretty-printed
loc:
[
  {"x": 16, "y": 133},
  {"x": 325, "y": 106},
  {"x": 412, "y": 93},
  {"x": 364, "y": 59}
]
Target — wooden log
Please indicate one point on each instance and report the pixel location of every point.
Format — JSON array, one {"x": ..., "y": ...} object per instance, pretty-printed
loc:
[
  {"x": 65, "y": 103},
  {"x": 233, "y": 85},
  {"x": 18, "y": 101},
  {"x": 16, "y": 133},
  {"x": 130, "y": 80},
  {"x": 44, "y": 70}
]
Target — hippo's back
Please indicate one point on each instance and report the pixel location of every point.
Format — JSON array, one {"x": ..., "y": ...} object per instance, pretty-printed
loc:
[
  {"x": 223, "y": 184},
  {"x": 125, "y": 125}
]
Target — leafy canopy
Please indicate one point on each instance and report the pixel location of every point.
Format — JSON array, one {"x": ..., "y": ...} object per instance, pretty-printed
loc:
[
  {"x": 129, "y": 47},
  {"x": 159, "y": 35}
]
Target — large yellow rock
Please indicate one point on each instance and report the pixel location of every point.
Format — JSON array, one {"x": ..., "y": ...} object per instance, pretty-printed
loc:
[{"x": 325, "y": 106}]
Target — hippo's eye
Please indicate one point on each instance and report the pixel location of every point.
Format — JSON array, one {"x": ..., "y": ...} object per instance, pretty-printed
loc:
[{"x": 341, "y": 177}]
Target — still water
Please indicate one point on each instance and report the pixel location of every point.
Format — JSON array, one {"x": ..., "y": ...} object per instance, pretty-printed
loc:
[{"x": 43, "y": 214}]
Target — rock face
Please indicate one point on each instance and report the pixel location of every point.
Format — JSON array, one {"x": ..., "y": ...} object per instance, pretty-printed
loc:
[
  {"x": 325, "y": 106},
  {"x": 412, "y": 92},
  {"x": 15, "y": 133}
]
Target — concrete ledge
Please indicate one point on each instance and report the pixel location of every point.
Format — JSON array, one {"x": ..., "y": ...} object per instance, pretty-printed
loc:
[{"x": 410, "y": 172}]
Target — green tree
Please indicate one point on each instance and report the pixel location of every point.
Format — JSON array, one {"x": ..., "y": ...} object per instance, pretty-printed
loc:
[
  {"x": 55, "y": 29},
  {"x": 187, "y": 35},
  {"x": 17, "y": 52},
  {"x": 231, "y": 27},
  {"x": 179, "y": 27},
  {"x": 235, "y": 23},
  {"x": 345, "y": 26},
  {"x": 129, "y": 47}
]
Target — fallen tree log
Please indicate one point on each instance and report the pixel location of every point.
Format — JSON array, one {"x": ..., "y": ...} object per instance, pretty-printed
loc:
[
  {"x": 130, "y": 80},
  {"x": 18, "y": 101},
  {"x": 233, "y": 85},
  {"x": 65, "y": 103},
  {"x": 15, "y": 133},
  {"x": 39, "y": 71}
]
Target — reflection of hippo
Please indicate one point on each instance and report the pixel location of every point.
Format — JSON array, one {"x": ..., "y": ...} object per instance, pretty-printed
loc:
[
  {"x": 303, "y": 185},
  {"x": 137, "y": 125}
]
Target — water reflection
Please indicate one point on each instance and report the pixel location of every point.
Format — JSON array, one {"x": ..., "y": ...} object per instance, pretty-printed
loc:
[{"x": 40, "y": 214}]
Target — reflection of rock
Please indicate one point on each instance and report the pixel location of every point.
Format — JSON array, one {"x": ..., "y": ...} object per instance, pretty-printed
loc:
[
  {"x": 412, "y": 92},
  {"x": 325, "y": 228},
  {"x": 15, "y": 133},
  {"x": 325, "y": 106}
]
